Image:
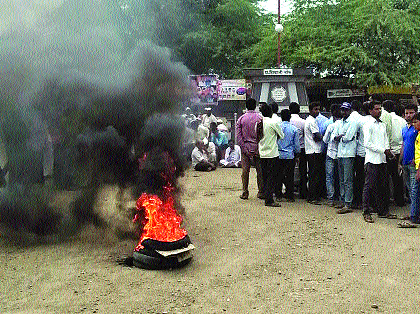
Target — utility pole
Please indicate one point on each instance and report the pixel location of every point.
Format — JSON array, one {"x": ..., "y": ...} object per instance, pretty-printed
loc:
[
  {"x": 278, "y": 38},
  {"x": 279, "y": 29}
]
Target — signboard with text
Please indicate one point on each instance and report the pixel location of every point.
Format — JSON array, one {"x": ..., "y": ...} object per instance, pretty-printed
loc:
[
  {"x": 344, "y": 93},
  {"x": 232, "y": 90},
  {"x": 278, "y": 71}
]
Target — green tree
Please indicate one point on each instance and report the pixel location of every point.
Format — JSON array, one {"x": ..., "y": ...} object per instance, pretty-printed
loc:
[
  {"x": 369, "y": 41},
  {"x": 207, "y": 35},
  {"x": 227, "y": 29}
]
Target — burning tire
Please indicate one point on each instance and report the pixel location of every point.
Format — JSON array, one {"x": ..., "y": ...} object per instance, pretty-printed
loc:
[
  {"x": 163, "y": 242},
  {"x": 163, "y": 255},
  {"x": 166, "y": 246}
]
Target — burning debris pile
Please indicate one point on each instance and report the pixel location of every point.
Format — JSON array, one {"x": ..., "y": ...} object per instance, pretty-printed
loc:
[
  {"x": 163, "y": 243},
  {"x": 82, "y": 112}
]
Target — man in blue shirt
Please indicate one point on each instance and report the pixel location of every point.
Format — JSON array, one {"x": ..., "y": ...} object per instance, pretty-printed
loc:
[
  {"x": 288, "y": 147},
  {"x": 406, "y": 160},
  {"x": 219, "y": 139},
  {"x": 322, "y": 123}
]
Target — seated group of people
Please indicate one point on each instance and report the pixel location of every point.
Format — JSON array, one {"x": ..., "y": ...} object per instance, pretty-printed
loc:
[
  {"x": 204, "y": 156},
  {"x": 209, "y": 136}
]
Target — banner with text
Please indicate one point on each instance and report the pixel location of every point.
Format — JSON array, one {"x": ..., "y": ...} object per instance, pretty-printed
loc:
[
  {"x": 344, "y": 93},
  {"x": 232, "y": 90}
]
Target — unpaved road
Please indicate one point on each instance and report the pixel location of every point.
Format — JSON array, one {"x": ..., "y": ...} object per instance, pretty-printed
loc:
[{"x": 298, "y": 258}]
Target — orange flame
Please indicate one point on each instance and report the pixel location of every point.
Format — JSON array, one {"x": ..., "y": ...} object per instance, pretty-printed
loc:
[{"x": 162, "y": 220}]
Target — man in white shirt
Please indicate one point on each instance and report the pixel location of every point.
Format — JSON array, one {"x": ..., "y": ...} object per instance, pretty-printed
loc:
[
  {"x": 275, "y": 108},
  {"x": 211, "y": 151},
  {"x": 299, "y": 123},
  {"x": 200, "y": 131},
  {"x": 377, "y": 150},
  {"x": 345, "y": 135},
  {"x": 222, "y": 127},
  {"x": 208, "y": 118},
  {"x": 313, "y": 149},
  {"x": 269, "y": 152},
  {"x": 395, "y": 142},
  {"x": 200, "y": 161},
  {"x": 189, "y": 116},
  {"x": 232, "y": 156},
  {"x": 188, "y": 142}
]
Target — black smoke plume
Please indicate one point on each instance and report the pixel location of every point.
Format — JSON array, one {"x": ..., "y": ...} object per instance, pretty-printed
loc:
[{"x": 78, "y": 112}]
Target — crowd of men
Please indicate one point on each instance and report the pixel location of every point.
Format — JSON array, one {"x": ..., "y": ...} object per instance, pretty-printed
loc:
[
  {"x": 344, "y": 161},
  {"x": 207, "y": 142}
]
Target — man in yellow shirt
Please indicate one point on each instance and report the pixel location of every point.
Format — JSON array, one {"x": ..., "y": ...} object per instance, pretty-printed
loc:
[{"x": 269, "y": 152}]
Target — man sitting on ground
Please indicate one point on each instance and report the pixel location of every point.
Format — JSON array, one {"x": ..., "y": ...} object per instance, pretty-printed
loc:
[
  {"x": 200, "y": 160},
  {"x": 211, "y": 151},
  {"x": 219, "y": 139},
  {"x": 232, "y": 156}
]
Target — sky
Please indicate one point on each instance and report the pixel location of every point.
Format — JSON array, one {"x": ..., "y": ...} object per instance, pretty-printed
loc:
[
  {"x": 272, "y": 6},
  {"x": 19, "y": 13}
]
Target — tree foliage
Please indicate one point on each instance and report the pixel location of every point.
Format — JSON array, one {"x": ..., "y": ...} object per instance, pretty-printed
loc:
[
  {"x": 207, "y": 35},
  {"x": 369, "y": 41},
  {"x": 227, "y": 29}
]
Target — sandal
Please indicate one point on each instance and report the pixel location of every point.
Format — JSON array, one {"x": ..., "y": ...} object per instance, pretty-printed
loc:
[
  {"x": 388, "y": 216},
  {"x": 244, "y": 195},
  {"x": 314, "y": 202},
  {"x": 274, "y": 204},
  {"x": 368, "y": 218},
  {"x": 406, "y": 224}
]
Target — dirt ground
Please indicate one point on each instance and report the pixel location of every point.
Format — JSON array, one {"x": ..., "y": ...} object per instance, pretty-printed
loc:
[{"x": 299, "y": 258}]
